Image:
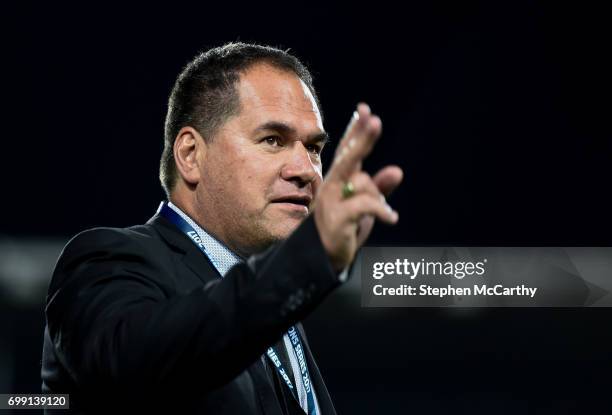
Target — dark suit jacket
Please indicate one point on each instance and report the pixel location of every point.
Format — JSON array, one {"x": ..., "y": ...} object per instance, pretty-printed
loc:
[{"x": 138, "y": 318}]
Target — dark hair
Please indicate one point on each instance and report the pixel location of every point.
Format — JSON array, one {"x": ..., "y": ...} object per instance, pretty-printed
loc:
[{"x": 205, "y": 95}]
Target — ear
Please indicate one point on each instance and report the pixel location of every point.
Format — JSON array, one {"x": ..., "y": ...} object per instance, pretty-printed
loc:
[{"x": 189, "y": 150}]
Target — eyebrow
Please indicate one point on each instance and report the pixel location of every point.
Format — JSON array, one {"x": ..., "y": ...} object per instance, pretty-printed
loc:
[{"x": 287, "y": 129}]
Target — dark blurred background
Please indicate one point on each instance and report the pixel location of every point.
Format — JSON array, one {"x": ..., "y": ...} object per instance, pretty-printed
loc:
[{"x": 498, "y": 112}]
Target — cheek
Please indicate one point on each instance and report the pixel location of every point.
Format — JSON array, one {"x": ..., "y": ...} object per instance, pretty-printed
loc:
[
  {"x": 255, "y": 176},
  {"x": 261, "y": 165}
]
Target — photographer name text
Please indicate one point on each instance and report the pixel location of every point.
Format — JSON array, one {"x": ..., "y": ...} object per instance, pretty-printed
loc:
[{"x": 404, "y": 268}]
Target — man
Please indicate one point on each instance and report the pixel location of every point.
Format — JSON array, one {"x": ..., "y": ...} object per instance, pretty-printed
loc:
[{"x": 198, "y": 310}]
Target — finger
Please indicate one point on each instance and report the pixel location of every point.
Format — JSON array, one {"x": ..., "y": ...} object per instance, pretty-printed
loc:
[
  {"x": 358, "y": 121},
  {"x": 388, "y": 178},
  {"x": 360, "y": 115},
  {"x": 356, "y": 148},
  {"x": 357, "y": 126},
  {"x": 365, "y": 204},
  {"x": 363, "y": 183},
  {"x": 343, "y": 145}
]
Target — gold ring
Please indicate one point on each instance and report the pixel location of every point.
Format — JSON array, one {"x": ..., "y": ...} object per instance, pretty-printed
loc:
[{"x": 348, "y": 189}]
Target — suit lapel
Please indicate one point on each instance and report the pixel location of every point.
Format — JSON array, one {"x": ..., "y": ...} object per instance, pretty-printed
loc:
[
  {"x": 265, "y": 390},
  {"x": 195, "y": 259}
]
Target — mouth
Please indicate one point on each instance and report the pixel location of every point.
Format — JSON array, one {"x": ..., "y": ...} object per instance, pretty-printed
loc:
[{"x": 298, "y": 203}]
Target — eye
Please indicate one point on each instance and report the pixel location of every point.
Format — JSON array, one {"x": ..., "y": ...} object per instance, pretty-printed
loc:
[
  {"x": 272, "y": 140},
  {"x": 313, "y": 148}
]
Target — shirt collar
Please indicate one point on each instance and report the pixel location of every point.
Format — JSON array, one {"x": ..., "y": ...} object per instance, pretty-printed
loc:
[{"x": 220, "y": 255}]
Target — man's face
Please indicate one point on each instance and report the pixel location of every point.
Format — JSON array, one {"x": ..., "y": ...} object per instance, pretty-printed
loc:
[{"x": 262, "y": 168}]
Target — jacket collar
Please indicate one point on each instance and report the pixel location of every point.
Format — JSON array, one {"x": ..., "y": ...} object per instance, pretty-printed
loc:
[{"x": 195, "y": 259}]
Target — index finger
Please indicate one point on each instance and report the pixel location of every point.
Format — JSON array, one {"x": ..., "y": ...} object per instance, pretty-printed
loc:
[{"x": 356, "y": 145}]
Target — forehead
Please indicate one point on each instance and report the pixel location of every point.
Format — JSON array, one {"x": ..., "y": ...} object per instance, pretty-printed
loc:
[{"x": 268, "y": 93}]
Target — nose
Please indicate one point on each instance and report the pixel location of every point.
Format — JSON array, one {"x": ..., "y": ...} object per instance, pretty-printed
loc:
[{"x": 299, "y": 167}]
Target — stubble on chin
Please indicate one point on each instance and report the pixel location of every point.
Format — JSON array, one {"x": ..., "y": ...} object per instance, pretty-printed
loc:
[{"x": 264, "y": 232}]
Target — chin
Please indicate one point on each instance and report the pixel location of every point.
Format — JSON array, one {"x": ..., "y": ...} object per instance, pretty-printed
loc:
[
  {"x": 274, "y": 228},
  {"x": 282, "y": 231}
]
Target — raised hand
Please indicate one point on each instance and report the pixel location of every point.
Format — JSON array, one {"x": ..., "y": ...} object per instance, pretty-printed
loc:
[{"x": 349, "y": 200}]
